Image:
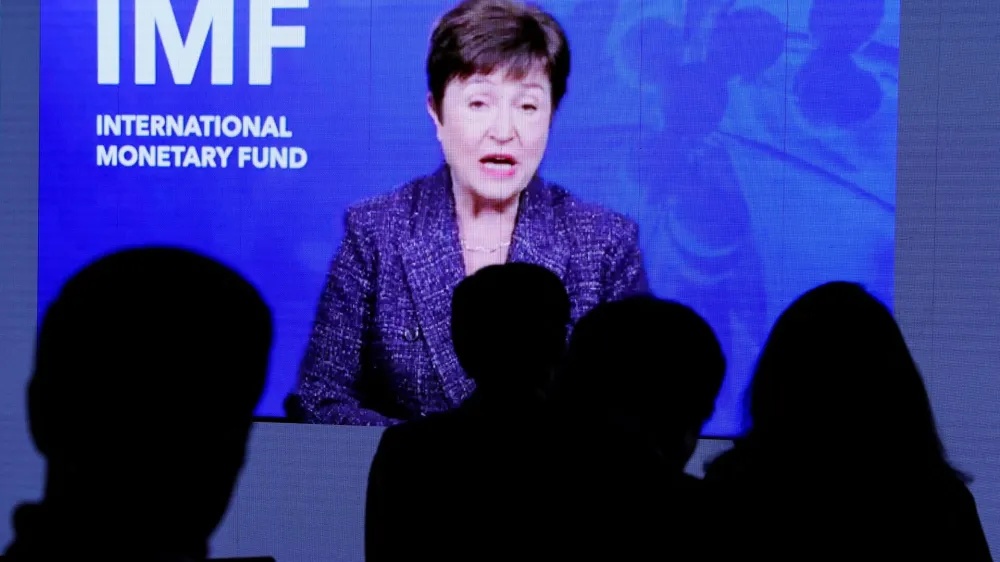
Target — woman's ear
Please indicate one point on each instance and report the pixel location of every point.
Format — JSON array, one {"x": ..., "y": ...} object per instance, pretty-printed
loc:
[{"x": 432, "y": 110}]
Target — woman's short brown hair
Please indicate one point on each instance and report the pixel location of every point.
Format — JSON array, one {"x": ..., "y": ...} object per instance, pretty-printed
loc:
[{"x": 479, "y": 36}]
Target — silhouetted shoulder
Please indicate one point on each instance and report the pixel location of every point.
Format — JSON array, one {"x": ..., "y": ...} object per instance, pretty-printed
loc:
[
  {"x": 418, "y": 436},
  {"x": 724, "y": 468},
  {"x": 966, "y": 527}
]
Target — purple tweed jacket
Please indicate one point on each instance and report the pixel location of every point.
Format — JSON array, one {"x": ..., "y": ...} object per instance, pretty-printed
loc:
[{"x": 381, "y": 351}]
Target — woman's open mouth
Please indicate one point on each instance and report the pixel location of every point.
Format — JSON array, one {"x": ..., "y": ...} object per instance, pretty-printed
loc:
[{"x": 498, "y": 166}]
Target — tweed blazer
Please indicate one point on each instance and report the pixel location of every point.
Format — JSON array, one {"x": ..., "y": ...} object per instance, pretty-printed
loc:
[{"x": 380, "y": 351}]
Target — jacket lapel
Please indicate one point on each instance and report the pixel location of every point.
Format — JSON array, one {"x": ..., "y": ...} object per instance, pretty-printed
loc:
[
  {"x": 432, "y": 258},
  {"x": 539, "y": 235}
]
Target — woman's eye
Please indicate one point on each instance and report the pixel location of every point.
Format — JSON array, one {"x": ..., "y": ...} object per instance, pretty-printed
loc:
[
  {"x": 529, "y": 107},
  {"x": 477, "y": 104}
]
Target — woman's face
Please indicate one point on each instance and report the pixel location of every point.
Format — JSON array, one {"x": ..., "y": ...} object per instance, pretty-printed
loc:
[{"x": 493, "y": 131}]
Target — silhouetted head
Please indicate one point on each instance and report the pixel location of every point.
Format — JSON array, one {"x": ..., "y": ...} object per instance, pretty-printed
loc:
[
  {"x": 148, "y": 367},
  {"x": 836, "y": 378},
  {"x": 653, "y": 361},
  {"x": 509, "y": 326}
]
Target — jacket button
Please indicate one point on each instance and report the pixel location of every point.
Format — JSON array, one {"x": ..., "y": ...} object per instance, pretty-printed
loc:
[{"x": 410, "y": 335}]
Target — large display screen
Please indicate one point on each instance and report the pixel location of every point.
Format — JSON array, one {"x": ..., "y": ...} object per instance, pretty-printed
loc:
[{"x": 753, "y": 141}]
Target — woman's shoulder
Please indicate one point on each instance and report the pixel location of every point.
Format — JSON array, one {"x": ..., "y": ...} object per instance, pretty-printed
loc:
[
  {"x": 579, "y": 212},
  {"x": 387, "y": 206},
  {"x": 387, "y": 216}
]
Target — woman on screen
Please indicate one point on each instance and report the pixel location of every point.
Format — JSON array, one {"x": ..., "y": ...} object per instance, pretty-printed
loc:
[
  {"x": 843, "y": 461},
  {"x": 380, "y": 350}
]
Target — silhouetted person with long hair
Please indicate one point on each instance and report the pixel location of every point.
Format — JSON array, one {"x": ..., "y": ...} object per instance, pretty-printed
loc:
[
  {"x": 464, "y": 484},
  {"x": 148, "y": 367},
  {"x": 843, "y": 460},
  {"x": 641, "y": 378}
]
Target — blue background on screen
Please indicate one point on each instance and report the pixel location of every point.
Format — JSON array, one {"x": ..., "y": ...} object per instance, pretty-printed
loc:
[{"x": 754, "y": 141}]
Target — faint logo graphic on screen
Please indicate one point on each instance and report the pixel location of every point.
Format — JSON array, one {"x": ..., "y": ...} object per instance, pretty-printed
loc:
[
  {"x": 838, "y": 31},
  {"x": 696, "y": 60},
  {"x": 155, "y": 19}
]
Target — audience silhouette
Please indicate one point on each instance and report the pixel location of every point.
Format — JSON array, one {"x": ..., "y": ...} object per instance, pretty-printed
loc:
[
  {"x": 843, "y": 460},
  {"x": 148, "y": 367},
  {"x": 470, "y": 484},
  {"x": 150, "y": 362},
  {"x": 641, "y": 379}
]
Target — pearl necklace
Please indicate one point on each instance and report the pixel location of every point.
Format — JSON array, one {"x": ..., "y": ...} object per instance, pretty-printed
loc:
[{"x": 483, "y": 249}]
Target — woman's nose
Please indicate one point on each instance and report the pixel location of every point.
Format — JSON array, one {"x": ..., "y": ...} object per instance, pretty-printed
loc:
[{"x": 502, "y": 128}]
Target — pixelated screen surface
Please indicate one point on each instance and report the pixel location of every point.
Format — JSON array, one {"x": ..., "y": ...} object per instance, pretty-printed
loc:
[{"x": 753, "y": 141}]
